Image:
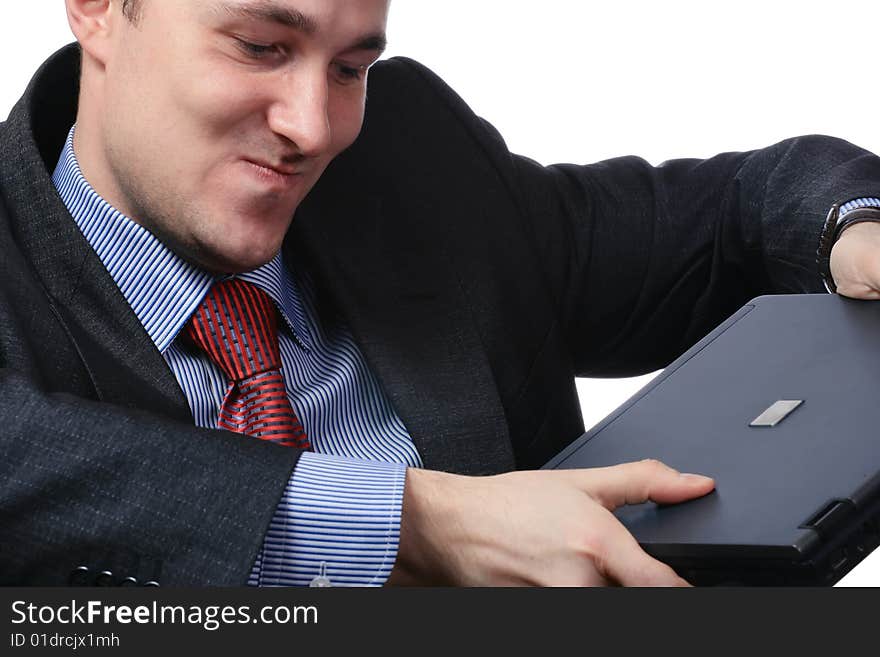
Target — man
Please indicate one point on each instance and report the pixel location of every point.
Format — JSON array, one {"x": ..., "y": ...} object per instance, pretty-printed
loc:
[{"x": 417, "y": 319}]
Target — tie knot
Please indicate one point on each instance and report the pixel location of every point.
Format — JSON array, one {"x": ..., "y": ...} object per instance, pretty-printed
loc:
[{"x": 237, "y": 326}]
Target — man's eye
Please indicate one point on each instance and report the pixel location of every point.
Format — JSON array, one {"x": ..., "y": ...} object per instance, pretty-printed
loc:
[
  {"x": 351, "y": 73},
  {"x": 257, "y": 50}
]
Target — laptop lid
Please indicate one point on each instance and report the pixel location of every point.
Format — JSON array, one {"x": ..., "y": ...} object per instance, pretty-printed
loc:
[{"x": 780, "y": 405}]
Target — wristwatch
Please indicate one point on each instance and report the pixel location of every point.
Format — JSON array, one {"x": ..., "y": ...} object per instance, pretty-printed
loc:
[{"x": 835, "y": 223}]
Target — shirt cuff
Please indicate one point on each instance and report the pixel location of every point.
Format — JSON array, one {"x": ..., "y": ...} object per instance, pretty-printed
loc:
[
  {"x": 340, "y": 512},
  {"x": 855, "y": 204}
]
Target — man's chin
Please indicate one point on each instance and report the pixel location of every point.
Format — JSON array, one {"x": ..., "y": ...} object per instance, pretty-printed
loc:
[{"x": 228, "y": 260}]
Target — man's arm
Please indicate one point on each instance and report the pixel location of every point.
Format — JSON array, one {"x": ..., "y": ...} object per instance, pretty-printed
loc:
[
  {"x": 89, "y": 484},
  {"x": 654, "y": 257},
  {"x": 641, "y": 262}
]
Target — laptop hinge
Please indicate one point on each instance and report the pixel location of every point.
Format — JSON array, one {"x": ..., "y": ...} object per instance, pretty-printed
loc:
[
  {"x": 868, "y": 493},
  {"x": 831, "y": 516}
]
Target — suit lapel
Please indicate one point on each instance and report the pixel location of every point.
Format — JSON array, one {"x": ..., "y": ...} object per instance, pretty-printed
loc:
[
  {"x": 400, "y": 295},
  {"x": 123, "y": 363}
]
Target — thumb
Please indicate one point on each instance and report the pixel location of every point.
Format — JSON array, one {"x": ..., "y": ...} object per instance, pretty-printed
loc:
[{"x": 634, "y": 483}]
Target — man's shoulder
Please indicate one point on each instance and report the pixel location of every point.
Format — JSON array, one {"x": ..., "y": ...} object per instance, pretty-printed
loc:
[
  {"x": 398, "y": 65},
  {"x": 405, "y": 91},
  {"x": 403, "y": 71}
]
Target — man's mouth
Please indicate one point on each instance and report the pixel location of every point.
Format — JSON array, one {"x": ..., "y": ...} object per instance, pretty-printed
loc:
[
  {"x": 275, "y": 175},
  {"x": 279, "y": 168}
]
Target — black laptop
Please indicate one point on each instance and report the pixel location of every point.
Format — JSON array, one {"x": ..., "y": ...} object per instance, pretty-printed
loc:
[{"x": 781, "y": 405}]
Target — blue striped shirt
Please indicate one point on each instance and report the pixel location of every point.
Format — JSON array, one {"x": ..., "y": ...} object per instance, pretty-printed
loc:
[{"x": 342, "y": 506}]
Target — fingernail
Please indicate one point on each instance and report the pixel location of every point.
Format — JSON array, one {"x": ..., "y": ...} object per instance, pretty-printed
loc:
[{"x": 695, "y": 477}]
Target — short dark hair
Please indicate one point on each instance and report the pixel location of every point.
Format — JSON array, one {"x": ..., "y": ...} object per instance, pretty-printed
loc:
[{"x": 130, "y": 9}]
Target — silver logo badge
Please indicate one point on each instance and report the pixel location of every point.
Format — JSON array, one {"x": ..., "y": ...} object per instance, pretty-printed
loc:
[{"x": 776, "y": 413}]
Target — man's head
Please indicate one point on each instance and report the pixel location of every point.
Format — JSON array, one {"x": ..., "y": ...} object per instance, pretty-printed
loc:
[{"x": 208, "y": 121}]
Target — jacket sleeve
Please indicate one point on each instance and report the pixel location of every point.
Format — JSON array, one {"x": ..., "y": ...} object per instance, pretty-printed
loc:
[
  {"x": 647, "y": 260},
  {"x": 643, "y": 261},
  {"x": 87, "y": 485}
]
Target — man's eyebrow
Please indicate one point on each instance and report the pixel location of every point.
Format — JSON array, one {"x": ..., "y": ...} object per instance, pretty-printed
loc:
[
  {"x": 375, "y": 42},
  {"x": 269, "y": 12}
]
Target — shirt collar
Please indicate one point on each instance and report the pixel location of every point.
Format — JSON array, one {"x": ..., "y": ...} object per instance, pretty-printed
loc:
[{"x": 162, "y": 289}]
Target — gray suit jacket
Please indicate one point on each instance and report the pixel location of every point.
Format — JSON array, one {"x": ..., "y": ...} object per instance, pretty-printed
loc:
[{"x": 476, "y": 282}]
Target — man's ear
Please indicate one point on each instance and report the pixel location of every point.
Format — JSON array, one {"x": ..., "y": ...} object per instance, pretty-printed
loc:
[{"x": 92, "y": 23}]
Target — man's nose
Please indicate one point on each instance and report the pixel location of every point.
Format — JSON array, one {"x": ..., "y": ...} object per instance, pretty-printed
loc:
[{"x": 300, "y": 112}]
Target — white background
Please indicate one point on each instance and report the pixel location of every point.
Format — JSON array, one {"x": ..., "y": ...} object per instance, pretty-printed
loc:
[{"x": 569, "y": 80}]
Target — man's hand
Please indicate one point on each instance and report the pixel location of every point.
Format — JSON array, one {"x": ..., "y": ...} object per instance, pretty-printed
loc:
[
  {"x": 542, "y": 528},
  {"x": 855, "y": 261}
]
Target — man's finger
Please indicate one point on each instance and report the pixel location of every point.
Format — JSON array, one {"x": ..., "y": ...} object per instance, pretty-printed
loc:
[
  {"x": 628, "y": 565},
  {"x": 634, "y": 483}
]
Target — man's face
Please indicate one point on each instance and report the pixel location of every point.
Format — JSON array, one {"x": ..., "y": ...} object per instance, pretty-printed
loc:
[{"x": 220, "y": 115}]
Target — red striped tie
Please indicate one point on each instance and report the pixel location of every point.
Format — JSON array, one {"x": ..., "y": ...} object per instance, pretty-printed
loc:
[{"x": 237, "y": 326}]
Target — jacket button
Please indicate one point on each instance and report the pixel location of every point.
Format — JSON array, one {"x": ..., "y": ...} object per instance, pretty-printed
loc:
[
  {"x": 128, "y": 581},
  {"x": 152, "y": 582},
  {"x": 79, "y": 576},
  {"x": 104, "y": 578}
]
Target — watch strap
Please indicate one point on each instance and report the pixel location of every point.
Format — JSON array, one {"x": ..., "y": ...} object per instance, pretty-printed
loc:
[{"x": 854, "y": 217}]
